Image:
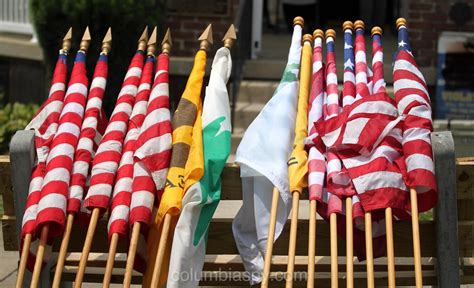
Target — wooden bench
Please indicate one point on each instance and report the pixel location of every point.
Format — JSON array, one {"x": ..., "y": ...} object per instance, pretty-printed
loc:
[{"x": 447, "y": 241}]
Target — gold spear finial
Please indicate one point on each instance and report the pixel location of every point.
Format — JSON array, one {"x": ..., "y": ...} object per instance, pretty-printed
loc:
[
  {"x": 229, "y": 37},
  {"x": 107, "y": 42},
  {"x": 143, "y": 40},
  {"x": 85, "y": 41},
  {"x": 206, "y": 39},
  {"x": 376, "y": 31},
  {"x": 167, "y": 42},
  {"x": 151, "y": 45},
  {"x": 67, "y": 40}
]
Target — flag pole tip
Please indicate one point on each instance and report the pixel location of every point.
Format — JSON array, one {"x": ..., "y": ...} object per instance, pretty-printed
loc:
[
  {"x": 330, "y": 33},
  {"x": 151, "y": 45},
  {"x": 359, "y": 24},
  {"x": 307, "y": 38},
  {"x": 230, "y": 37},
  {"x": 347, "y": 25},
  {"x": 401, "y": 22},
  {"x": 167, "y": 42},
  {"x": 376, "y": 31},
  {"x": 206, "y": 38},
  {"x": 107, "y": 42},
  {"x": 318, "y": 33},
  {"x": 67, "y": 40},
  {"x": 85, "y": 41},
  {"x": 143, "y": 39},
  {"x": 298, "y": 21}
]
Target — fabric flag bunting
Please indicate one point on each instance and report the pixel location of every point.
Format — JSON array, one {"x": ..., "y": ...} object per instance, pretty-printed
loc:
[
  {"x": 59, "y": 165},
  {"x": 121, "y": 198},
  {"x": 263, "y": 154},
  {"x": 87, "y": 145},
  {"x": 414, "y": 105},
  {"x": 184, "y": 119},
  {"x": 44, "y": 124},
  {"x": 152, "y": 157},
  {"x": 201, "y": 199},
  {"x": 109, "y": 152}
]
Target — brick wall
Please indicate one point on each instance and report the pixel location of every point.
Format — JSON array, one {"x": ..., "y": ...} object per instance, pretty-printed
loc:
[
  {"x": 426, "y": 20},
  {"x": 186, "y": 28}
]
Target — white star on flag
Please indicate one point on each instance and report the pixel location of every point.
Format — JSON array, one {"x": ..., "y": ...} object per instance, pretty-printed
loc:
[
  {"x": 401, "y": 44},
  {"x": 348, "y": 64},
  {"x": 347, "y": 46}
]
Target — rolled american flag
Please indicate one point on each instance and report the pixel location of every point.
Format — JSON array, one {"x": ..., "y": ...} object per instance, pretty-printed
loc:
[
  {"x": 44, "y": 124},
  {"x": 54, "y": 191}
]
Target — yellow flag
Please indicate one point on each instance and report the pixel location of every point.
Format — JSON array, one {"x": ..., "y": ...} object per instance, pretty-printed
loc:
[
  {"x": 186, "y": 166},
  {"x": 297, "y": 164}
]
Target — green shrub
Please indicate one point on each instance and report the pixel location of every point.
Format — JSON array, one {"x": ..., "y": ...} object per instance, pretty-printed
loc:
[
  {"x": 52, "y": 19},
  {"x": 14, "y": 117}
]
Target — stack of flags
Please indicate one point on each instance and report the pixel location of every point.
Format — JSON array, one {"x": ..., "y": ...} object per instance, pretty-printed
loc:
[{"x": 358, "y": 145}]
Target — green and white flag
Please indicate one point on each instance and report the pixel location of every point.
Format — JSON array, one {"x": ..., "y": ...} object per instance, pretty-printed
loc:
[{"x": 201, "y": 199}]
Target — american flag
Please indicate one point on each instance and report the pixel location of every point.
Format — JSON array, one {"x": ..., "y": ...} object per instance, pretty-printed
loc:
[
  {"x": 414, "y": 106},
  {"x": 55, "y": 187},
  {"x": 109, "y": 152},
  {"x": 93, "y": 122},
  {"x": 44, "y": 124}
]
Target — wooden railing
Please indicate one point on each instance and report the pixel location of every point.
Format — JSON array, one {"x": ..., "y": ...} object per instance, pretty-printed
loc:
[{"x": 14, "y": 17}]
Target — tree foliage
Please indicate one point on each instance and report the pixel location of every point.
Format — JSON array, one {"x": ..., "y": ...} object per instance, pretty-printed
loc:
[{"x": 52, "y": 19}]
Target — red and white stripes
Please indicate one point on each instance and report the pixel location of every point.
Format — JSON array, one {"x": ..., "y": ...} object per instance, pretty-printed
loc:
[
  {"x": 109, "y": 152},
  {"x": 118, "y": 221},
  {"x": 89, "y": 132},
  {"x": 362, "y": 89},
  {"x": 54, "y": 190},
  {"x": 377, "y": 65}
]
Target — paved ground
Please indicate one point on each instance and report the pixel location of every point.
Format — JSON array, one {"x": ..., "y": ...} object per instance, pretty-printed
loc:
[{"x": 8, "y": 265}]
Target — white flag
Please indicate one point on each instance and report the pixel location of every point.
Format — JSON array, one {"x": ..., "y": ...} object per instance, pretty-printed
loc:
[{"x": 263, "y": 154}]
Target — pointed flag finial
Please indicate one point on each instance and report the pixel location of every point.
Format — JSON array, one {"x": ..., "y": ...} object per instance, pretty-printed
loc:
[
  {"x": 107, "y": 42},
  {"x": 229, "y": 37},
  {"x": 206, "y": 38},
  {"x": 143, "y": 40},
  {"x": 167, "y": 42},
  {"x": 376, "y": 31},
  {"x": 359, "y": 24},
  {"x": 67, "y": 40},
  {"x": 401, "y": 22},
  {"x": 151, "y": 45},
  {"x": 347, "y": 25},
  {"x": 298, "y": 21},
  {"x": 318, "y": 33},
  {"x": 86, "y": 40}
]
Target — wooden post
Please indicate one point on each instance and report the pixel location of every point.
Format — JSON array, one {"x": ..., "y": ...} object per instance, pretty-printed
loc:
[
  {"x": 446, "y": 212},
  {"x": 110, "y": 260},
  {"x": 161, "y": 250},
  {"x": 40, "y": 256},
  {"x": 390, "y": 249},
  {"x": 416, "y": 238},
  {"x": 62, "y": 251},
  {"x": 349, "y": 245},
  {"x": 292, "y": 245},
  {"x": 23, "y": 260},
  {"x": 333, "y": 239},
  {"x": 127, "y": 279},
  {"x": 271, "y": 238},
  {"x": 311, "y": 243},
  {"x": 369, "y": 250}
]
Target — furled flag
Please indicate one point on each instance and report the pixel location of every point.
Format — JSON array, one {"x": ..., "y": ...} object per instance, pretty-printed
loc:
[
  {"x": 87, "y": 144},
  {"x": 201, "y": 199},
  {"x": 44, "y": 124},
  {"x": 122, "y": 193},
  {"x": 184, "y": 119},
  {"x": 414, "y": 105},
  {"x": 55, "y": 188},
  {"x": 109, "y": 152},
  {"x": 263, "y": 154},
  {"x": 152, "y": 158}
]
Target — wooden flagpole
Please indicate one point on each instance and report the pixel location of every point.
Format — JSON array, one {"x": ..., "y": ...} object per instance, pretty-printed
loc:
[
  {"x": 106, "y": 46},
  {"x": 416, "y": 238},
  {"x": 96, "y": 211},
  {"x": 349, "y": 245},
  {"x": 270, "y": 239},
  {"x": 132, "y": 251},
  {"x": 110, "y": 260},
  {"x": 66, "y": 46},
  {"x": 84, "y": 45},
  {"x": 205, "y": 42},
  {"x": 369, "y": 250}
]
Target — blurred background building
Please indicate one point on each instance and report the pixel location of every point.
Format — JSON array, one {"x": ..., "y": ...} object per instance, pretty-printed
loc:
[{"x": 259, "y": 55}]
